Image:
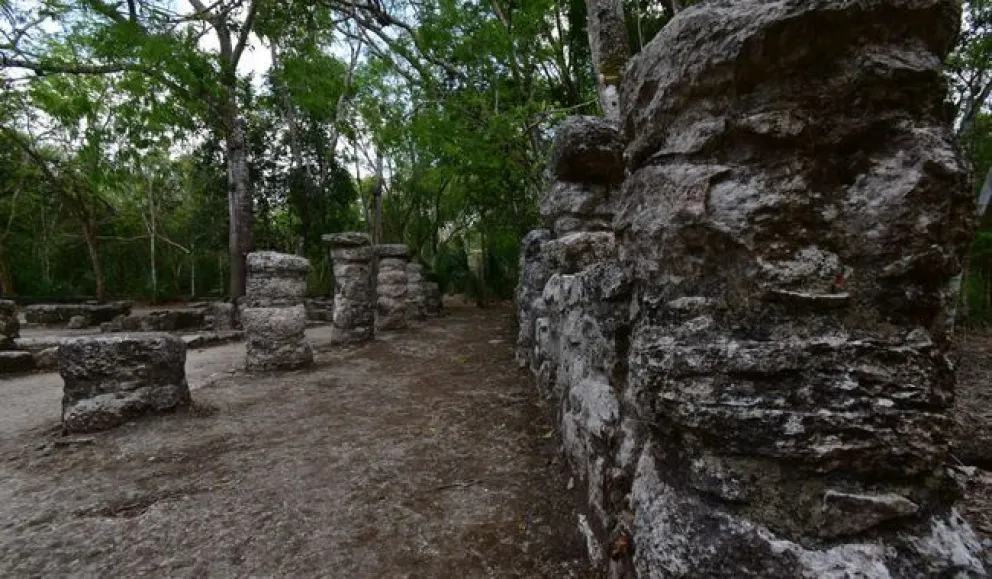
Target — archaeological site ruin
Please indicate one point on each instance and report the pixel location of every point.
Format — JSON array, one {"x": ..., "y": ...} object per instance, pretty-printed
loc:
[
  {"x": 669, "y": 289},
  {"x": 743, "y": 303}
]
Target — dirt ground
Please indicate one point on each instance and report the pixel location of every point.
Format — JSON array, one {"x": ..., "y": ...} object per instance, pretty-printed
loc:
[{"x": 423, "y": 454}]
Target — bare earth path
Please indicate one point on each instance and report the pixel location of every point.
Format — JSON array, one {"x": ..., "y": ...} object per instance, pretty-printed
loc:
[{"x": 424, "y": 454}]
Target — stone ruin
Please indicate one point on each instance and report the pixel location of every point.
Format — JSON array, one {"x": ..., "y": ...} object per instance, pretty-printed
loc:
[
  {"x": 433, "y": 301},
  {"x": 274, "y": 317},
  {"x": 748, "y": 338},
  {"x": 90, "y": 314},
  {"x": 354, "y": 294},
  {"x": 391, "y": 287},
  {"x": 416, "y": 291},
  {"x": 12, "y": 361},
  {"x": 112, "y": 379}
]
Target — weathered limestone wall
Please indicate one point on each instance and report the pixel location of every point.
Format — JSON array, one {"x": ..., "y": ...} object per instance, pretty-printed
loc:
[
  {"x": 354, "y": 293},
  {"x": 433, "y": 301},
  {"x": 416, "y": 292},
  {"x": 9, "y": 326},
  {"x": 753, "y": 378},
  {"x": 274, "y": 317},
  {"x": 94, "y": 314},
  {"x": 112, "y": 379},
  {"x": 391, "y": 287}
]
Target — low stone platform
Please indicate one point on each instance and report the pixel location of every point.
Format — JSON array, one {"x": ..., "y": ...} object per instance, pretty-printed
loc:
[
  {"x": 112, "y": 379},
  {"x": 58, "y": 314}
]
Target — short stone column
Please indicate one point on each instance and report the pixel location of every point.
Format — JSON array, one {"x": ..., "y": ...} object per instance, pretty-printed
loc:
[
  {"x": 354, "y": 296},
  {"x": 112, "y": 379},
  {"x": 274, "y": 317},
  {"x": 416, "y": 298},
  {"x": 391, "y": 287},
  {"x": 9, "y": 326},
  {"x": 433, "y": 304}
]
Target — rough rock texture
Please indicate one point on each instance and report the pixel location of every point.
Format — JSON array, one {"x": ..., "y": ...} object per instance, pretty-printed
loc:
[
  {"x": 320, "y": 309},
  {"x": 354, "y": 294},
  {"x": 112, "y": 379},
  {"x": 753, "y": 376},
  {"x": 222, "y": 317},
  {"x": 9, "y": 326},
  {"x": 16, "y": 362},
  {"x": 274, "y": 316},
  {"x": 276, "y": 279},
  {"x": 433, "y": 301},
  {"x": 78, "y": 322},
  {"x": 53, "y": 314},
  {"x": 391, "y": 287},
  {"x": 275, "y": 338},
  {"x": 160, "y": 321},
  {"x": 416, "y": 291}
]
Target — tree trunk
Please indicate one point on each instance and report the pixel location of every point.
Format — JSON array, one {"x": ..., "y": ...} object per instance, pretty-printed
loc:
[
  {"x": 6, "y": 281},
  {"x": 608, "y": 44},
  {"x": 240, "y": 238},
  {"x": 89, "y": 237}
]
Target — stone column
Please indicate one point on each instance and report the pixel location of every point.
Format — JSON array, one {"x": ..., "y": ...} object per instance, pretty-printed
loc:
[
  {"x": 416, "y": 296},
  {"x": 795, "y": 213},
  {"x": 354, "y": 294},
  {"x": 391, "y": 287},
  {"x": 274, "y": 317},
  {"x": 433, "y": 302},
  {"x": 110, "y": 380}
]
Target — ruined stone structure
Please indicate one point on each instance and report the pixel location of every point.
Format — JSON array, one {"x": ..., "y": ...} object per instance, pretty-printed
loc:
[
  {"x": 391, "y": 287},
  {"x": 354, "y": 293},
  {"x": 433, "y": 302},
  {"x": 9, "y": 326},
  {"x": 416, "y": 292},
  {"x": 274, "y": 317},
  {"x": 160, "y": 321},
  {"x": 752, "y": 376},
  {"x": 112, "y": 379},
  {"x": 93, "y": 314}
]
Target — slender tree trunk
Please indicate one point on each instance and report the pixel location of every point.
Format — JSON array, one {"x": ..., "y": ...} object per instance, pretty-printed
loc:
[
  {"x": 610, "y": 53},
  {"x": 89, "y": 237},
  {"x": 6, "y": 280},
  {"x": 240, "y": 237}
]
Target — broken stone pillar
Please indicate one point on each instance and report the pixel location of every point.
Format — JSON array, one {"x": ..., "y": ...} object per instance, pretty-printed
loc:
[
  {"x": 794, "y": 217},
  {"x": 9, "y": 325},
  {"x": 274, "y": 316},
  {"x": 391, "y": 287},
  {"x": 416, "y": 296},
  {"x": 433, "y": 301},
  {"x": 354, "y": 294},
  {"x": 110, "y": 380}
]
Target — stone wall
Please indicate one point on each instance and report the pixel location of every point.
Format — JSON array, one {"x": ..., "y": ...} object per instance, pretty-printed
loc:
[
  {"x": 391, "y": 287},
  {"x": 753, "y": 375}
]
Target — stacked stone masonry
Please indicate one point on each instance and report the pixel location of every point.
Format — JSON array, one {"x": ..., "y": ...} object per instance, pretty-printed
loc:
[
  {"x": 92, "y": 314},
  {"x": 751, "y": 363},
  {"x": 12, "y": 361},
  {"x": 354, "y": 292},
  {"x": 416, "y": 291},
  {"x": 274, "y": 316},
  {"x": 433, "y": 302},
  {"x": 112, "y": 379},
  {"x": 391, "y": 287}
]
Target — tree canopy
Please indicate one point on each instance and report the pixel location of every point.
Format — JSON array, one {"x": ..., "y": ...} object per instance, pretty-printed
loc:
[{"x": 149, "y": 144}]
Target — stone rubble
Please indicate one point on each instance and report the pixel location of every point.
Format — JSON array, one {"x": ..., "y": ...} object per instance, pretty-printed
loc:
[
  {"x": 9, "y": 325},
  {"x": 354, "y": 293},
  {"x": 751, "y": 363},
  {"x": 56, "y": 314},
  {"x": 391, "y": 287},
  {"x": 274, "y": 316},
  {"x": 110, "y": 380}
]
